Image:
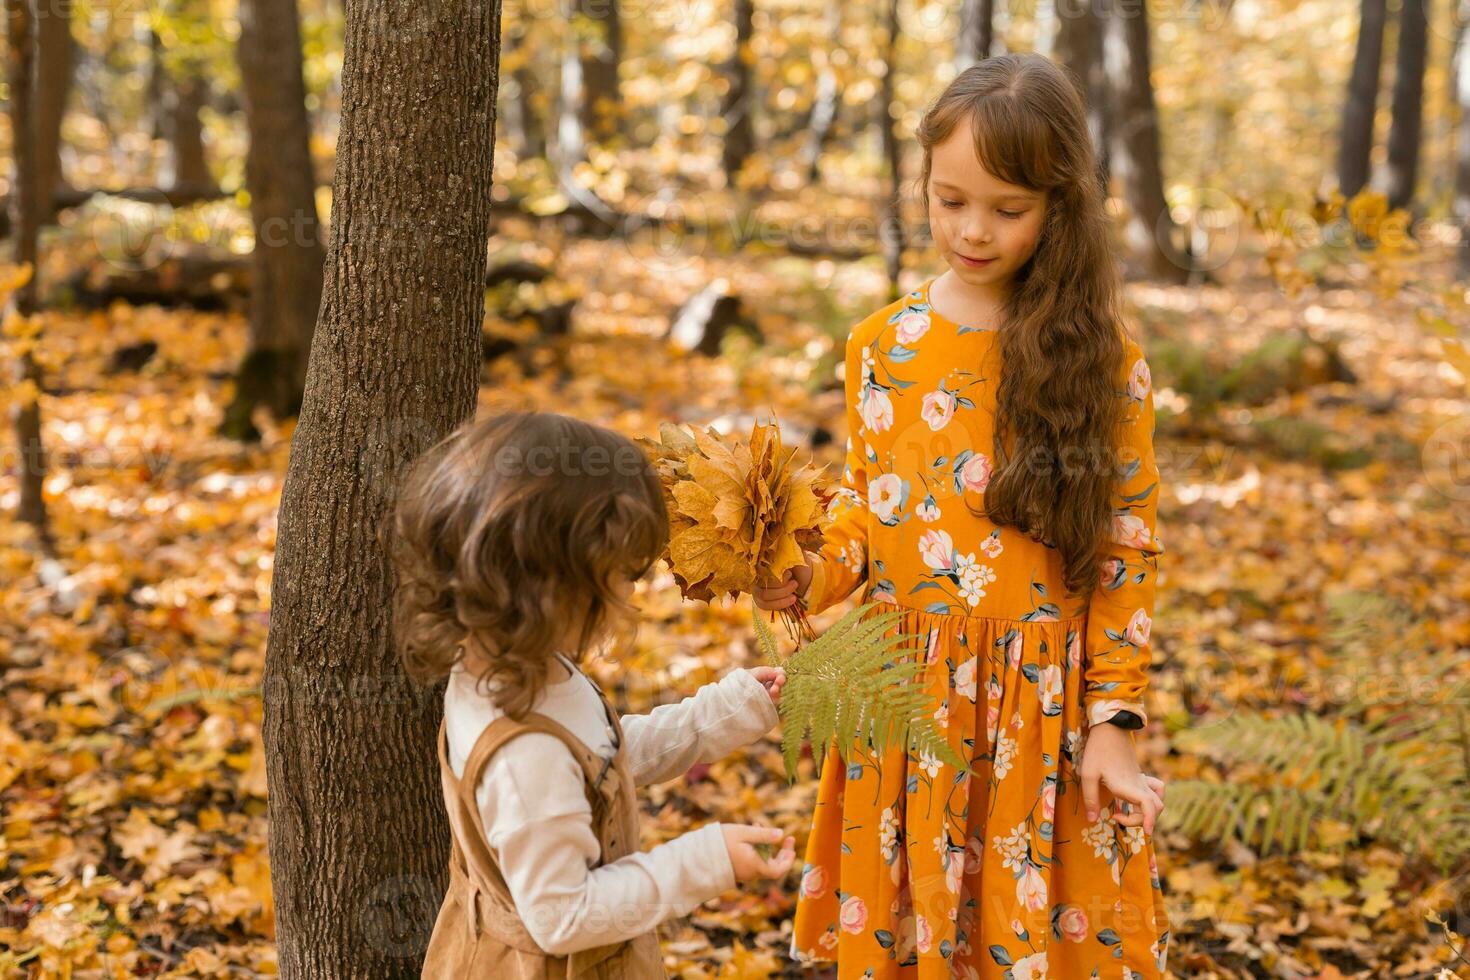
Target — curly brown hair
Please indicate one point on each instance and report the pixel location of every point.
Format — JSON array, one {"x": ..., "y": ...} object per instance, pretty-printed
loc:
[
  {"x": 1061, "y": 340},
  {"x": 507, "y": 538}
]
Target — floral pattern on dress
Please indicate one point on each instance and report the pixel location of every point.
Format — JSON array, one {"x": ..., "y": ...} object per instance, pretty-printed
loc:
[{"x": 913, "y": 870}]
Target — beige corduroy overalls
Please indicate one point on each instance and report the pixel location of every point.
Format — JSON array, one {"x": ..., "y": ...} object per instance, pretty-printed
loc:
[{"x": 479, "y": 934}]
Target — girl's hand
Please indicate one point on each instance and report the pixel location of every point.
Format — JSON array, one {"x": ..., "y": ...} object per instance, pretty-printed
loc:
[
  {"x": 740, "y": 841},
  {"x": 771, "y": 679},
  {"x": 1110, "y": 763},
  {"x": 794, "y": 584}
]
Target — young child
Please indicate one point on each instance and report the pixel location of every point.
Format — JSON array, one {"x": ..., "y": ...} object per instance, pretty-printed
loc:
[
  {"x": 518, "y": 541},
  {"x": 1001, "y": 492}
]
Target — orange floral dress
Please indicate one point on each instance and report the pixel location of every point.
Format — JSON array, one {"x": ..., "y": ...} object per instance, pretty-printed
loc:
[{"x": 914, "y": 870}]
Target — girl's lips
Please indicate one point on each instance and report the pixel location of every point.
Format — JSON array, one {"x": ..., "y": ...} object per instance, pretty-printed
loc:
[{"x": 974, "y": 263}]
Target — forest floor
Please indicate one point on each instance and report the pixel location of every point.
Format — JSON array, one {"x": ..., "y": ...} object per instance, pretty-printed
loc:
[{"x": 132, "y": 780}]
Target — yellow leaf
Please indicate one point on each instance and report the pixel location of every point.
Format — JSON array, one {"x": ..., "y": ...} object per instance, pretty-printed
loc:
[
  {"x": 1459, "y": 358},
  {"x": 746, "y": 964}
]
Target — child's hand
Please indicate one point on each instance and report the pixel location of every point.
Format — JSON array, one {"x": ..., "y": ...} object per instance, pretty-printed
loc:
[
  {"x": 795, "y": 583},
  {"x": 771, "y": 679},
  {"x": 740, "y": 842},
  {"x": 1110, "y": 762}
]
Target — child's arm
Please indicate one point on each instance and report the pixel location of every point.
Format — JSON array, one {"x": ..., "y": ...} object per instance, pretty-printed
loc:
[
  {"x": 715, "y": 721},
  {"x": 538, "y": 823},
  {"x": 843, "y": 561},
  {"x": 1116, "y": 647}
]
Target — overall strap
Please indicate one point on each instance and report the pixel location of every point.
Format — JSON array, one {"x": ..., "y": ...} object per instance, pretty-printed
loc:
[{"x": 598, "y": 787}]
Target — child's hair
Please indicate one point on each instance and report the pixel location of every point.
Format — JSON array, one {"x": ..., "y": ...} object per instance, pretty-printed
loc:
[
  {"x": 509, "y": 533},
  {"x": 1061, "y": 338}
]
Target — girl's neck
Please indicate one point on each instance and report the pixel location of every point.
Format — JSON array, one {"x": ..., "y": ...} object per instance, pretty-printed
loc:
[
  {"x": 966, "y": 303},
  {"x": 559, "y": 671}
]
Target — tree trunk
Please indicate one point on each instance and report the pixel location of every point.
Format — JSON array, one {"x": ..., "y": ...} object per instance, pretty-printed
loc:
[
  {"x": 571, "y": 144},
  {"x": 1356, "y": 142},
  {"x": 1461, "y": 93},
  {"x": 524, "y": 123},
  {"x": 601, "y": 50},
  {"x": 1079, "y": 46},
  {"x": 826, "y": 100},
  {"x": 891, "y": 215},
  {"x": 1408, "y": 105},
  {"x": 287, "y": 272},
  {"x": 1149, "y": 233},
  {"x": 183, "y": 97},
  {"x": 58, "y": 52},
  {"x": 26, "y": 221},
  {"x": 736, "y": 108},
  {"x": 358, "y": 835},
  {"x": 977, "y": 32}
]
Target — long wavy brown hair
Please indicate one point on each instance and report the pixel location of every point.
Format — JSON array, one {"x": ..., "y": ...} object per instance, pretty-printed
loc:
[
  {"x": 1061, "y": 340},
  {"x": 507, "y": 538}
]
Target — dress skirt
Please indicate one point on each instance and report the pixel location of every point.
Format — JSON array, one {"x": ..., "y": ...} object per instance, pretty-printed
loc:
[{"x": 914, "y": 870}]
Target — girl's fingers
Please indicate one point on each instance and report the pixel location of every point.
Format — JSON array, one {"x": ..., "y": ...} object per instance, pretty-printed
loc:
[
  {"x": 781, "y": 863},
  {"x": 1137, "y": 813}
]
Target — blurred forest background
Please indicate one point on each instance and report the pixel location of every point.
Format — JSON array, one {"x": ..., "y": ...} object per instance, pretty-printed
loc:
[{"x": 691, "y": 204}]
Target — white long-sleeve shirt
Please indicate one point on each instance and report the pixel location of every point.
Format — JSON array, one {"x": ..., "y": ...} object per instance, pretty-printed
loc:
[{"x": 538, "y": 822}]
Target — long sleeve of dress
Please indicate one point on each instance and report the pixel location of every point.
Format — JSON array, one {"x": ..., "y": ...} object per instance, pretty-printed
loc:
[
  {"x": 539, "y": 825},
  {"x": 843, "y": 561},
  {"x": 1116, "y": 648},
  {"x": 717, "y": 719}
]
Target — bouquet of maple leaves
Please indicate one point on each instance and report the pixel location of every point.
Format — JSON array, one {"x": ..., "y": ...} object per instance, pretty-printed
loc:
[
  {"x": 739, "y": 515},
  {"x": 742, "y": 515}
]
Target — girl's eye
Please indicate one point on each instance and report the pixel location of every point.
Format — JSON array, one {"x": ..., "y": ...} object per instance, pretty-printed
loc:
[
  {"x": 1010, "y": 214},
  {"x": 949, "y": 204}
]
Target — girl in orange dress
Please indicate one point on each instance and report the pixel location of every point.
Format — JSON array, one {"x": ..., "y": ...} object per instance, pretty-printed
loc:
[{"x": 1000, "y": 492}]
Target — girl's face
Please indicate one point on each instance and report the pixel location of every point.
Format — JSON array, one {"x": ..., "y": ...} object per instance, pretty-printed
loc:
[{"x": 976, "y": 216}]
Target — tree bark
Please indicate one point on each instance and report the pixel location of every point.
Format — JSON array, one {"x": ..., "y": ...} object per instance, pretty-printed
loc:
[
  {"x": 183, "y": 97},
  {"x": 977, "y": 32},
  {"x": 1149, "y": 233},
  {"x": 1355, "y": 145},
  {"x": 287, "y": 277},
  {"x": 601, "y": 55},
  {"x": 525, "y": 123},
  {"x": 737, "y": 107},
  {"x": 26, "y": 222},
  {"x": 57, "y": 56},
  {"x": 1461, "y": 91},
  {"x": 826, "y": 100},
  {"x": 1408, "y": 104},
  {"x": 358, "y": 834},
  {"x": 1079, "y": 46},
  {"x": 891, "y": 215}
]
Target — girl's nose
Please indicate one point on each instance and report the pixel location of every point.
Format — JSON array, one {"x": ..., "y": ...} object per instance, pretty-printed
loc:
[{"x": 977, "y": 236}]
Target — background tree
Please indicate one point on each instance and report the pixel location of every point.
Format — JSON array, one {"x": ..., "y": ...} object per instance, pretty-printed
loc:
[
  {"x": 598, "y": 28},
  {"x": 1355, "y": 144},
  {"x": 57, "y": 53},
  {"x": 1460, "y": 207},
  {"x": 1408, "y": 104},
  {"x": 737, "y": 106},
  {"x": 977, "y": 33},
  {"x": 286, "y": 286},
  {"x": 26, "y": 221},
  {"x": 826, "y": 100},
  {"x": 890, "y": 221},
  {"x": 1079, "y": 46},
  {"x": 358, "y": 830},
  {"x": 1134, "y": 151}
]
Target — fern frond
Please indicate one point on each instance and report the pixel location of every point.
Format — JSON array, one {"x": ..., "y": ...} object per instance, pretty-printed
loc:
[
  {"x": 858, "y": 681},
  {"x": 765, "y": 639}
]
